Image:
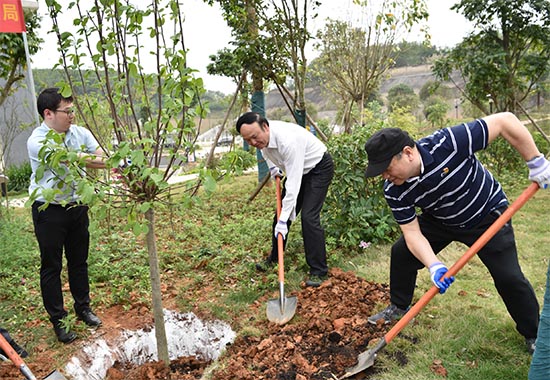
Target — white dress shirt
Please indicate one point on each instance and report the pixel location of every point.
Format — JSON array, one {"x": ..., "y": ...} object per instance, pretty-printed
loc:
[
  {"x": 76, "y": 138},
  {"x": 295, "y": 151}
]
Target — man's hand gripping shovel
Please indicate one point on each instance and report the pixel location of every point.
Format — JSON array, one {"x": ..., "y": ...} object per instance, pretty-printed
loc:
[
  {"x": 281, "y": 310},
  {"x": 366, "y": 358}
]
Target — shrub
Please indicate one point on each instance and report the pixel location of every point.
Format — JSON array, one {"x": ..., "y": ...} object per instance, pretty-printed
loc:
[
  {"x": 505, "y": 163},
  {"x": 355, "y": 209},
  {"x": 19, "y": 177},
  {"x": 236, "y": 161}
]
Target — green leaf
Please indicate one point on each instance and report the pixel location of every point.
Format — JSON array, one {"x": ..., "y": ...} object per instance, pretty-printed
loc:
[
  {"x": 144, "y": 207},
  {"x": 210, "y": 183}
]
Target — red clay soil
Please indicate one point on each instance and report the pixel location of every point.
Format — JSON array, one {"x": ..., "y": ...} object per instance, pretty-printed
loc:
[
  {"x": 326, "y": 335},
  {"x": 43, "y": 356},
  {"x": 329, "y": 330}
]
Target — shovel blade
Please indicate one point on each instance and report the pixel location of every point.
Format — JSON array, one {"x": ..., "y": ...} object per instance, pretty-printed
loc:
[
  {"x": 281, "y": 312},
  {"x": 364, "y": 361},
  {"x": 55, "y": 375}
]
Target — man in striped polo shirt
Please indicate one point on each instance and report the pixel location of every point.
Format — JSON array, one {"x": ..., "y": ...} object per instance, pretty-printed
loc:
[{"x": 459, "y": 199}]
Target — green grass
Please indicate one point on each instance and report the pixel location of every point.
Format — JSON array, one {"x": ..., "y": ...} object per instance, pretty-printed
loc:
[
  {"x": 468, "y": 328},
  {"x": 207, "y": 253}
]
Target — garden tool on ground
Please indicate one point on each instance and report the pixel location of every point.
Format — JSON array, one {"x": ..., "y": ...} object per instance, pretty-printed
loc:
[
  {"x": 281, "y": 310},
  {"x": 16, "y": 359},
  {"x": 366, "y": 358}
]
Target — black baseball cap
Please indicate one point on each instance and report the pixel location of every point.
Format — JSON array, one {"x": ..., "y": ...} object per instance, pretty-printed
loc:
[{"x": 382, "y": 146}]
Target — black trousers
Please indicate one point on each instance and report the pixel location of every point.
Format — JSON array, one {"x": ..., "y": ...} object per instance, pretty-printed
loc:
[
  {"x": 499, "y": 255},
  {"x": 309, "y": 203},
  {"x": 59, "y": 229}
]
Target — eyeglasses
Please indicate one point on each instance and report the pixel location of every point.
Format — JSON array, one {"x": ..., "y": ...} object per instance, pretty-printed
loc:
[{"x": 69, "y": 111}]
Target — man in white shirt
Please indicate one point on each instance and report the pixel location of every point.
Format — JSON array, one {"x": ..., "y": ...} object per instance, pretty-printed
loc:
[
  {"x": 309, "y": 169},
  {"x": 63, "y": 224}
]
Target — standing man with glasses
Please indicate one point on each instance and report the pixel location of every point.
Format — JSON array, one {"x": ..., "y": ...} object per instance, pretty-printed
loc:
[{"x": 61, "y": 224}]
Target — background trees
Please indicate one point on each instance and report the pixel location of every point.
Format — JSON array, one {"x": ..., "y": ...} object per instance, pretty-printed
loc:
[
  {"x": 14, "y": 110},
  {"x": 507, "y": 55},
  {"x": 287, "y": 24},
  {"x": 355, "y": 57},
  {"x": 402, "y": 96}
]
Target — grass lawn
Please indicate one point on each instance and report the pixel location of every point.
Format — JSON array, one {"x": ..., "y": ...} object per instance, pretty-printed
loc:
[
  {"x": 467, "y": 330},
  {"x": 207, "y": 251}
]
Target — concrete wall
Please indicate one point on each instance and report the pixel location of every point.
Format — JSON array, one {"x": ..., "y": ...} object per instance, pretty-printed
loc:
[
  {"x": 16, "y": 117},
  {"x": 17, "y": 121}
]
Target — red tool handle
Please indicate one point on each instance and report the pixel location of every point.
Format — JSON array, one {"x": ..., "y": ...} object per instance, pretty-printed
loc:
[
  {"x": 471, "y": 252},
  {"x": 280, "y": 246}
]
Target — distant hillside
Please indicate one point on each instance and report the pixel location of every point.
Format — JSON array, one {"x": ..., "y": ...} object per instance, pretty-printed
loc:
[
  {"x": 413, "y": 76},
  {"x": 314, "y": 95}
]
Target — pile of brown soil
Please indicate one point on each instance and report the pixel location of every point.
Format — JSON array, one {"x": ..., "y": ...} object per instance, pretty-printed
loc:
[{"x": 325, "y": 336}]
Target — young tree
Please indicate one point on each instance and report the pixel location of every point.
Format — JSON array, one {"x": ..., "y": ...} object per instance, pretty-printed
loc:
[
  {"x": 506, "y": 56},
  {"x": 250, "y": 48},
  {"x": 141, "y": 114},
  {"x": 355, "y": 57},
  {"x": 402, "y": 95},
  {"x": 286, "y": 21}
]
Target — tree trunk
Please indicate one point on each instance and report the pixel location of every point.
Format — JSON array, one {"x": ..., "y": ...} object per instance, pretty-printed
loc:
[
  {"x": 154, "y": 274},
  {"x": 258, "y": 97}
]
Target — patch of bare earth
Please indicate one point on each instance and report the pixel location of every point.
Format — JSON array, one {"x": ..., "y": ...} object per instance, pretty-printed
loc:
[{"x": 327, "y": 333}]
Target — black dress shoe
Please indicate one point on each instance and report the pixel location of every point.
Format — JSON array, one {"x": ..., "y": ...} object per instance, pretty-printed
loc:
[
  {"x": 64, "y": 335},
  {"x": 531, "y": 345},
  {"x": 89, "y": 318},
  {"x": 20, "y": 350}
]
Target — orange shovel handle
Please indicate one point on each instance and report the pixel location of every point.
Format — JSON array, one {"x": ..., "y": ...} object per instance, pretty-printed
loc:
[
  {"x": 280, "y": 246},
  {"x": 471, "y": 252},
  {"x": 8, "y": 349},
  {"x": 16, "y": 359}
]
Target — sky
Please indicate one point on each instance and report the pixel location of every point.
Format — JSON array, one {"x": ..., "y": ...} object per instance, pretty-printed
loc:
[{"x": 447, "y": 28}]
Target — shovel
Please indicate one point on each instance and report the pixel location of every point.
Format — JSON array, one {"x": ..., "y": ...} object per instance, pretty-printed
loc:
[
  {"x": 366, "y": 358},
  {"x": 281, "y": 310},
  {"x": 16, "y": 359}
]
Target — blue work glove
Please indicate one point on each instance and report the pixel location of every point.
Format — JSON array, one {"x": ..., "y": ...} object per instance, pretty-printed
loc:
[
  {"x": 275, "y": 172},
  {"x": 438, "y": 270},
  {"x": 281, "y": 228},
  {"x": 539, "y": 171}
]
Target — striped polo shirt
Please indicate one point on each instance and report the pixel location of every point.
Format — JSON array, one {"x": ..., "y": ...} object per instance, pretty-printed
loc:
[{"x": 453, "y": 186}]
